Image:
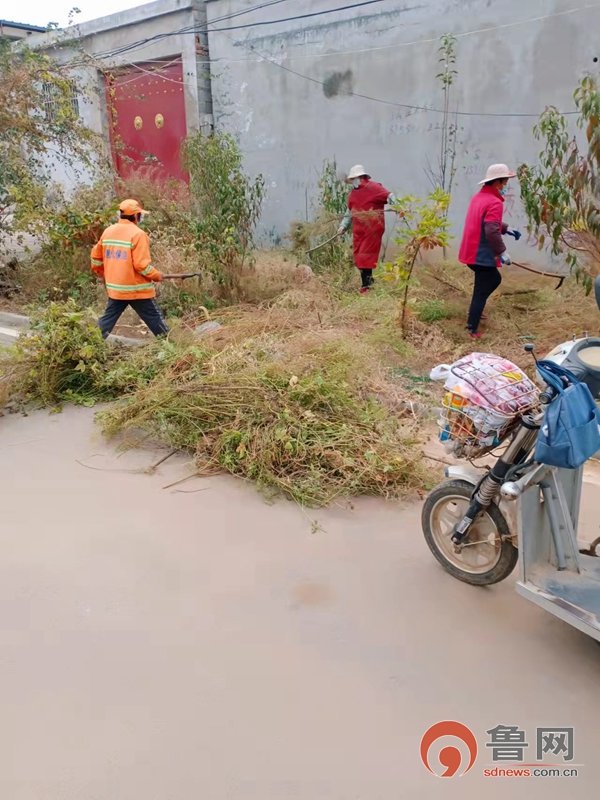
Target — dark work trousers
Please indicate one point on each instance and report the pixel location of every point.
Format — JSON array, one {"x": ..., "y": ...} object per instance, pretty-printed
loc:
[
  {"x": 147, "y": 310},
  {"x": 487, "y": 280},
  {"x": 366, "y": 277}
]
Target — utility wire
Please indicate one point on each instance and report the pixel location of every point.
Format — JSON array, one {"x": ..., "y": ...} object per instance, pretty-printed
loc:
[
  {"x": 380, "y": 100},
  {"x": 383, "y": 101},
  {"x": 462, "y": 35},
  {"x": 206, "y": 29},
  {"x": 429, "y": 40},
  {"x": 401, "y": 105},
  {"x": 249, "y": 10},
  {"x": 299, "y": 16},
  {"x": 187, "y": 29}
]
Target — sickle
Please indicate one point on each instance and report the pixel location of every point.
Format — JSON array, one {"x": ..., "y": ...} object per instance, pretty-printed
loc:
[
  {"x": 561, "y": 279},
  {"x": 327, "y": 241},
  {"x": 181, "y": 276}
]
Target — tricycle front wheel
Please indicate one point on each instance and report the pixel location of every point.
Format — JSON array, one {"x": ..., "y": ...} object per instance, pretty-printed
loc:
[{"x": 487, "y": 555}]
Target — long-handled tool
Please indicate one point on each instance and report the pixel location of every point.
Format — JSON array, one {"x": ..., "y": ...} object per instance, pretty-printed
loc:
[
  {"x": 561, "y": 278},
  {"x": 322, "y": 244},
  {"x": 181, "y": 276}
]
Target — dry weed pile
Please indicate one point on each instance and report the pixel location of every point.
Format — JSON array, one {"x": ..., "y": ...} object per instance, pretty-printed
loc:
[
  {"x": 299, "y": 410},
  {"x": 311, "y": 393},
  {"x": 525, "y": 309},
  {"x": 277, "y": 395}
]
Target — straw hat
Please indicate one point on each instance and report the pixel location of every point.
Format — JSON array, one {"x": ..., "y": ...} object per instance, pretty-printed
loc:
[
  {"x": 497, "y": 171},
  {"x": 357, "y": 171}
]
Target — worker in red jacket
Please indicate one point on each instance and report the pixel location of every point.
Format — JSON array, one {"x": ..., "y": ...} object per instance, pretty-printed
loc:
[
  {"x": 482, "y": 248},
  {"x": 366, "y": 202}
]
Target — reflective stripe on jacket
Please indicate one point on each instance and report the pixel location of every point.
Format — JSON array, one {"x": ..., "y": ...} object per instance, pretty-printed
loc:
[{"x": 122, "y": 258}]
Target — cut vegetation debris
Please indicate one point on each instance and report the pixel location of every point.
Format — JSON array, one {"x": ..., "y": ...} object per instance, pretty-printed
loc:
[
  {"x": 275, "y": 396},
  {"x": 61, "y": 359},
  {"x": 313, "y": 394},
  {"x": 305, "y": 425},
  {"x": 302, "y": 410}
]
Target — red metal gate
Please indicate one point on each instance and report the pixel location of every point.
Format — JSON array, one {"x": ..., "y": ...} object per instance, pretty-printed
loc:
[{"x": 147, "y": 113}]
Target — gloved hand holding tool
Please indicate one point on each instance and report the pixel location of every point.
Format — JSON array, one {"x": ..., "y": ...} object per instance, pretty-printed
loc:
[{"x": 514, "y": 233}]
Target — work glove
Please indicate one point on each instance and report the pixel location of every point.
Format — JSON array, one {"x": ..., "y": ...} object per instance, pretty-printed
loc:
[
  {"x": 506, "y": 259},
  {"x": 341, "y": 231},
  {"x": 514, "y": 232}
]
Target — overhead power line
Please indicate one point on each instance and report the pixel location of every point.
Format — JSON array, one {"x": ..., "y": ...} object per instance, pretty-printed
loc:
[
  {"x": 460, "y": 35},
  {"x": 395, "y": 45},
  {"x": 401, "y": 105},
  {"x": 194, "y": 30},
  {"x": 187, "y": 29},
  {"x": 264, "y": 57},
  {"x": 298, "y": 16}
]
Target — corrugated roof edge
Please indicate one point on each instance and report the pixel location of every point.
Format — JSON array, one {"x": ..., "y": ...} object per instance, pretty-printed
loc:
[{"x": 22, "y": 26}]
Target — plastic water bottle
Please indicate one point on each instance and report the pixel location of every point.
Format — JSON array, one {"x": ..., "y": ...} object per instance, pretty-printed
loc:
[{"x": 445, "y": 434}]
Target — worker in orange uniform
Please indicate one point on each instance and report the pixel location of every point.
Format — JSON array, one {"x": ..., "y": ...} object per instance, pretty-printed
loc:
[{"x": 122, "y": 259}]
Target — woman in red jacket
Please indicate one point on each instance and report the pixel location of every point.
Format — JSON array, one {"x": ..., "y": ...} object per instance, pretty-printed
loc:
[
  {"x": 366, "y": 202},
  {"x": 482, "y": 248}
]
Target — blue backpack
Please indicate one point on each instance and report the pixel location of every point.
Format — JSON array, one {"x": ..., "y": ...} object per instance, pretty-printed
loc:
[{"x": 570, "y": 432}]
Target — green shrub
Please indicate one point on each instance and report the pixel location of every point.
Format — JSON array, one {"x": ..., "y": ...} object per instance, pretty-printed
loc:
[
  {"x": 432, "y": 310},
  {"x": 226, "y": 205},
  {"x": 335, "y": 258},
  {"x": 61, "y": 359},
  {"x": 424, "y": 227},
  {"x": 179, "y": 302}
]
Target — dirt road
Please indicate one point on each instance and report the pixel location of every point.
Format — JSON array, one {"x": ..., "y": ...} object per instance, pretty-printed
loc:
[{"x": 194, "y": 643}]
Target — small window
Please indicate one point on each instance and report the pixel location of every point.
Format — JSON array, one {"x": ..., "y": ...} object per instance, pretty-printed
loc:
[{"x": 51, "y": 99}]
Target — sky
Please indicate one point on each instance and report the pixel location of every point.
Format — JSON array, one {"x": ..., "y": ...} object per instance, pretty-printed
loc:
[{"x": 40, "y": 12}]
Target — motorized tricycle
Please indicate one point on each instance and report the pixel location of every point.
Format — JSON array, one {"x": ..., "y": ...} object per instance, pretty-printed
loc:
[{"x": 482, "y": 521}]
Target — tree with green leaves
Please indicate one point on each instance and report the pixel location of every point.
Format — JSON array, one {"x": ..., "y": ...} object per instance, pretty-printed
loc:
[
  {"x": 39, "y": 126},
  {"x": 561, "y": 193},
  {"x": 423, "y": 226},
  {"x": 226, "y": 205},
  {"x": 447, "y": 59},
  {"x": 442, "y": 174},
  {"x": 332, "y": 202}
]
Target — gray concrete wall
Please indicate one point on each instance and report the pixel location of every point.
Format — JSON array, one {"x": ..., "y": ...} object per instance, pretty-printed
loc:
[{"x": 514, "y": 57}]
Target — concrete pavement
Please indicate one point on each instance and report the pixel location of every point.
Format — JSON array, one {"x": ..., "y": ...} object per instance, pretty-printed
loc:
[
  {"x": 195, "y": 642},
  {"x": 12, "y": 325}
]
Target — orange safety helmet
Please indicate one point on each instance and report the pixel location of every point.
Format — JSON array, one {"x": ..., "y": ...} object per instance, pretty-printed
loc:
[{"x": 131, "y": 207}]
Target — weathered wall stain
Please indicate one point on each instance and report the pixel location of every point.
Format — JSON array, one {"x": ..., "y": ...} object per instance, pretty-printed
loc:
[
  {"x": 338, "y": 83},
  {"x": 307, "y": 33}
]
